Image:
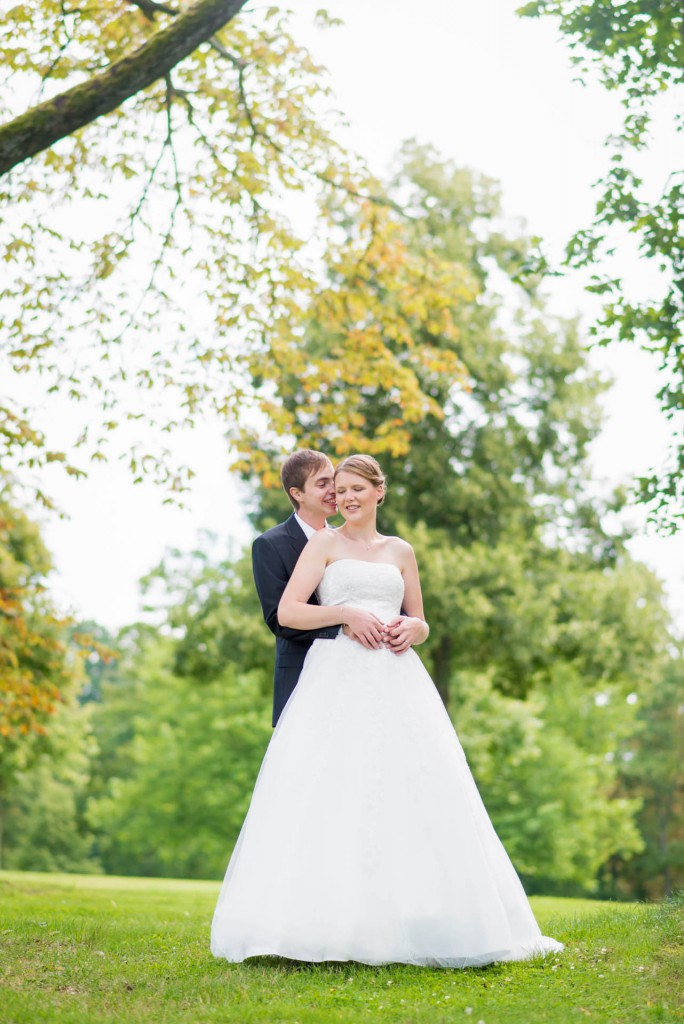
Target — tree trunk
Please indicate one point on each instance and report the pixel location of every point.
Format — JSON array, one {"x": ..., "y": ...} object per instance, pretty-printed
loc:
[
  {"x": 42, "y": 126},
  {"x": 663, "y": 825}
]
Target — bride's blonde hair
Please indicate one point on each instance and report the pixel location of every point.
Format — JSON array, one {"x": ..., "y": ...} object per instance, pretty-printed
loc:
[{"x": 365, "y": 466}]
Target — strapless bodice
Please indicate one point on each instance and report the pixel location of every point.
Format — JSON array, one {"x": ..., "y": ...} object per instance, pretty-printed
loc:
[{"x": 377, "y": 587}]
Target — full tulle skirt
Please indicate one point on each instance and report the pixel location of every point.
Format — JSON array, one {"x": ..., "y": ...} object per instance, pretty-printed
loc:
[{"x": 366, "y": 838}]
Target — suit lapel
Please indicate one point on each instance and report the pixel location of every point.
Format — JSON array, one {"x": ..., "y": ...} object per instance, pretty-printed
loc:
[
  {"x": 297, "y": 540},
  {"x": 295, "y": 534}
]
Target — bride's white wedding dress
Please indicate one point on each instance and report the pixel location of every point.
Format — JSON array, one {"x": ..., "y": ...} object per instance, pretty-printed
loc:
[{"x": 366, "y": 838}]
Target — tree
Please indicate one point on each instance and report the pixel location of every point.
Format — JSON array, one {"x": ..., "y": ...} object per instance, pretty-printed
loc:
[
  {"x": 152, "y": 815},
  {"x": 32, "y": 654},
  {"x": 652, "y": 770},
  {"x": 150, "y": 260},
  {"x": 52, "y": 120},
  {"x": 45, "y": 828},
  {"x": 499, "y": 480},
  {"x": 193, "y": 690},
  {"x": 211, "y": 607},
  {"x": 40, "y": 664},
  {"x": 552, "y": 800},
  {"x": 527, "y": 411},
  {"x": 637, "y": 46}
]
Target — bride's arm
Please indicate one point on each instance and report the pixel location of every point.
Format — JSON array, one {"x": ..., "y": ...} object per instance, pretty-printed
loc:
[
  {"x": 411, "y": 628},
  {"x": 295, "y": 611}
]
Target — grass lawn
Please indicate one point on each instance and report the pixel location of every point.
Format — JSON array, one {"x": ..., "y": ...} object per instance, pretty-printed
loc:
[{"x": 88, "y": 949}]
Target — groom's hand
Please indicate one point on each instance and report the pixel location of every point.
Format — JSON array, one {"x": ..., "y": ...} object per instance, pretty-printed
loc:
[
  {"x": 359, "y": 639},
  {"x": 404, "y": 632},
  {"x": 364, "y": 626}
]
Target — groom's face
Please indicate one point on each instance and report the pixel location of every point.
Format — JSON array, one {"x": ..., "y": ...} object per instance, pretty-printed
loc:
[{"x": 318, "y": 493}]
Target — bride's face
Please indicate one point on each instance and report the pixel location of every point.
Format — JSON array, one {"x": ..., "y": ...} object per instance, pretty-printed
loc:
[{"x": 357, "y": 498}]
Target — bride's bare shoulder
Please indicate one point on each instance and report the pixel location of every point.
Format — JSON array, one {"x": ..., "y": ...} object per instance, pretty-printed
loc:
[
  {"x": 322, "y": 540},
  {"x": 400, "y": 549}
]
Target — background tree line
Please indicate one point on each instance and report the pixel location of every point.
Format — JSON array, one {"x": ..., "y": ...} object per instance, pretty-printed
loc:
[{"x": 550, "y": 646}]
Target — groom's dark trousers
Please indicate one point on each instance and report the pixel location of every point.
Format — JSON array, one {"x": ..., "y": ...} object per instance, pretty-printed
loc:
[{"x": 274, "y": 556}]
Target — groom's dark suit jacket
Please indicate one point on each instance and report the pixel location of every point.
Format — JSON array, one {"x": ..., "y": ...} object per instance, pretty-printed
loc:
[{"x": 274, "y": 556}]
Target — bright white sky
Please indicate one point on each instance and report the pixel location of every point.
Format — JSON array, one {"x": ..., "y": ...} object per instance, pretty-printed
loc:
[{"x": 491, "y": 91}]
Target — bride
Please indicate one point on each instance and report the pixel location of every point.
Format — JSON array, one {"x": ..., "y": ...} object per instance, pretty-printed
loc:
[{"x": 366, "y": 838}]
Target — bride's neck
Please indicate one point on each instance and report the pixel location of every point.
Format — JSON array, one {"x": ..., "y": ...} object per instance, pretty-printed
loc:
[{"x": 363, "y": 533}]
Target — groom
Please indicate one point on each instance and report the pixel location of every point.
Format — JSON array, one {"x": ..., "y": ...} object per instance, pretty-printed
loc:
[{"x": 308, "y": 480}]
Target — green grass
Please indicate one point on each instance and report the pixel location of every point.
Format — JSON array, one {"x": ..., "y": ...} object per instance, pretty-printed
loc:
[{"x": 89, "y": 950}]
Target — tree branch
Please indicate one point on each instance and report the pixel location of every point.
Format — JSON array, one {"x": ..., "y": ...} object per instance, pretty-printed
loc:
[
  {"x": 258, "y": 132},
  {"x": 61, "y": 52},
  {"x": 151, "y": 7},
  {"x": 217, "y": 45},
  {"x": 39, "y": 128}
]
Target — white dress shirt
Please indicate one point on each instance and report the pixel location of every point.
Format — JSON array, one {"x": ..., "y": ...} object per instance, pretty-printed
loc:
[{"x": 309, "y": 530}]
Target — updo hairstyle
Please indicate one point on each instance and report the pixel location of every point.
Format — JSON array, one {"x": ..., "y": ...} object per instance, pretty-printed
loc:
[{"x": 365, "y": 466}]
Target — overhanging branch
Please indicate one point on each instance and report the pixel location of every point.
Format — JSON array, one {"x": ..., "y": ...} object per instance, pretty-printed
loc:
[
  {"x": 43, "y": 125},
  {"x": 151, "y": 8}
]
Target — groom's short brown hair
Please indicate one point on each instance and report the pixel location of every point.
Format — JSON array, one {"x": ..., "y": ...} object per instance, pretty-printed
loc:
[{"x": 297, "y": 469}]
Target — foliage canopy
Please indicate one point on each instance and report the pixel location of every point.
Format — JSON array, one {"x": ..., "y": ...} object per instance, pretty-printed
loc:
[
  {"x": 637, "y": 47},
  {"x": 167, "y": 259}
]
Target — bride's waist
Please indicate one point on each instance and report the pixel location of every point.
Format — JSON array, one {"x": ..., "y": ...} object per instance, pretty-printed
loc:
[{"x": 385, "y": 612}]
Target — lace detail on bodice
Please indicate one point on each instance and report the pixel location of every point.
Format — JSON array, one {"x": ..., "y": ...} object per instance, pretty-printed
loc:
[{"x": 375, "y": 586}]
